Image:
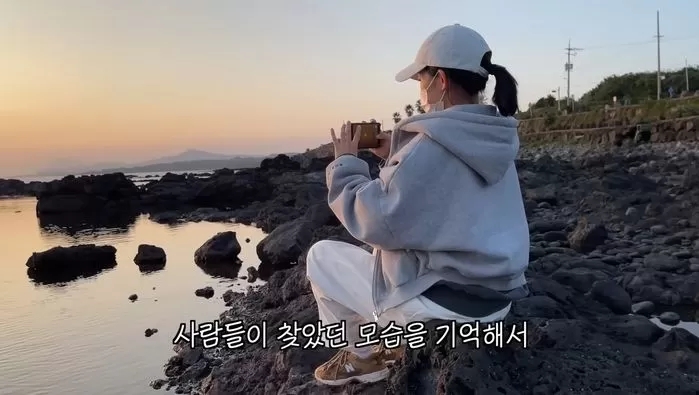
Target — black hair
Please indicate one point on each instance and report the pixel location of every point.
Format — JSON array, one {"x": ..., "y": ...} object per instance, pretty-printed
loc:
[{"x": 505, "y": 96}]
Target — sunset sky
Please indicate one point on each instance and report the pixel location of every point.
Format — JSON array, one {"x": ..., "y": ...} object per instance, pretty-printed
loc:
[{"x": 87, "y": 81}]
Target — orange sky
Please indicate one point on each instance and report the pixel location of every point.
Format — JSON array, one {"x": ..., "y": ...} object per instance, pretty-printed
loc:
[
  {"x": 84, "y": 81},
  {"x": 94, "y": 82}
]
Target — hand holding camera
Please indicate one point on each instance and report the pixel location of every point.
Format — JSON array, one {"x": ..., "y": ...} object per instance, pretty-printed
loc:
[
  {"x": 347, "y": 144},
  {"x": 384, "y": 141},
  {"x": 361, "y": 136}
]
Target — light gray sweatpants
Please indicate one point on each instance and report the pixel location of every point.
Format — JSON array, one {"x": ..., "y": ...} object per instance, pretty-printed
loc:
[{"x": 341, "y": 274}]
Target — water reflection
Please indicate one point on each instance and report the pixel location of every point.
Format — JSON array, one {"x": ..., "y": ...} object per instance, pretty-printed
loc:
[
  {"x": 62, "y": 278},
  {"x": 81, "y": 225},
  {"x": 148, "y": 268},
  {"x": 85, "y": 336},
  {"x": 222, "y": 270}
]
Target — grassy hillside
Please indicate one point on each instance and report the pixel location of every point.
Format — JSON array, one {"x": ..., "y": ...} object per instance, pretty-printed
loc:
[
  {"x": 638, "y": 87},
  {"x": 648, "y": 112},
  {"x": 629, "y": 89}
]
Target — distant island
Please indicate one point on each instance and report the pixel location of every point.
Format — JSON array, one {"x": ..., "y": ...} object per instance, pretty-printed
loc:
[
  {"x": 189, "y": 160},
  {"x": 194, "y": 165}
]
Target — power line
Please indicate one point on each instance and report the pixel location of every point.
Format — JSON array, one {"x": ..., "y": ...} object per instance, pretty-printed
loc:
[
  {"x": 573, "y": 51},
  {"x": 636, "y": 43},
  {"x": 683, "y": 38},
  {"x": 629, "y": 44}
]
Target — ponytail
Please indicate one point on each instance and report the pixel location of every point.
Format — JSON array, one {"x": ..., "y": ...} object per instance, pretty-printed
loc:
[{"x": 505, "y": 96}]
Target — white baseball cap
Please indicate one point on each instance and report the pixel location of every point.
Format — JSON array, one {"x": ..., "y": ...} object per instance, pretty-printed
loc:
[{"x": 453, "y": 47}]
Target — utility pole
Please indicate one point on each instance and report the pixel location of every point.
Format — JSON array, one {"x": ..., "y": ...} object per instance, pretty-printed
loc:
[
  {"x": 686, "y": 75},
  {"x": 569, "y": 67},
  {"x": 558, "y": 91},
  {"x": 558, "y": 100},
  {"x": 657, "y": 36}
]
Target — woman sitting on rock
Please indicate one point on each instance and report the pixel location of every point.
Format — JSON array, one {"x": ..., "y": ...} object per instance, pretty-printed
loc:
[{"x": 445, "y": 217}]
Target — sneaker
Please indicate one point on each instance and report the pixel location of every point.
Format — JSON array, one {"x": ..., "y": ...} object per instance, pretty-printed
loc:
[
  {"x": 391, "y": 355},
  {"x": 346, "y": 366}
]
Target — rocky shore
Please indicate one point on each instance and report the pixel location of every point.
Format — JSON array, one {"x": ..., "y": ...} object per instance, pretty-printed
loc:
[
  {"x": 614, "y": 241},
  {"x": 280, "y": 190}
]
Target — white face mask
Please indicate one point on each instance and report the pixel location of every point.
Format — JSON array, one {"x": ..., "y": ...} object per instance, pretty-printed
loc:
[{"x": 426, "y": 105}]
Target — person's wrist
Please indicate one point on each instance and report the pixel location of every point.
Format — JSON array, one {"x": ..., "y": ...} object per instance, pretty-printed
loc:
[{"x": 345, "y": 154}]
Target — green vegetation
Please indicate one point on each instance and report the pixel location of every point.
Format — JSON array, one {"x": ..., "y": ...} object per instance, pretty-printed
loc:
[
  {"x": 650, "y": 111},
  {"x": 629, "y": 89},
  {"x": 635, "y": 103},
  {"x": 640, "y": 87}
]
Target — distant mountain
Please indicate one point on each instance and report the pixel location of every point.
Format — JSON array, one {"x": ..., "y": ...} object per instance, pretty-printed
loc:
[
  {"x": 195, "y": 165},
  {"x": 59, "y": 167},
  {"x": 189, "y": 160},
  {"x": 190, "y": 155}
]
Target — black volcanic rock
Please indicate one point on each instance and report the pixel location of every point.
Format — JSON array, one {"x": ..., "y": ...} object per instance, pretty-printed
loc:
[
  {"x": 221, "y": 249},
  {"x": 94, "y": 194},
  {"x": 15, "y": 188},
  {"x": 60, "y": 264},
  {"x": 637, "y": 246},
  {"x": 150, "y": 258}
]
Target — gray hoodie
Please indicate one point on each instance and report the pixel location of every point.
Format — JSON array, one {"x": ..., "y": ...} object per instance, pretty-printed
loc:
[{"x": 447, "y": 207}]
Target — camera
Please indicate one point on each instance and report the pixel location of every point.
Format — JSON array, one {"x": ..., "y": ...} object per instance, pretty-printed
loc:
[{"x": 369, "y": 134}]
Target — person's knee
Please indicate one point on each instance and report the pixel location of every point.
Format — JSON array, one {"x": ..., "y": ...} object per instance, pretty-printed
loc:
[{"x": 315, "y": 260}]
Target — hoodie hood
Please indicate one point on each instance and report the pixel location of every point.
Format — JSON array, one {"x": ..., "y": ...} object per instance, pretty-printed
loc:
[{"x": 474, "y": 133}]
